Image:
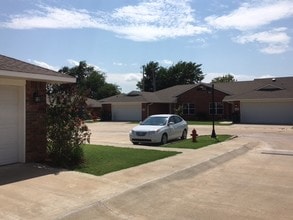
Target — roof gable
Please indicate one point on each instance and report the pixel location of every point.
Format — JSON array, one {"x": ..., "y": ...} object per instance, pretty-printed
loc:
[
  {"x": 269, "y": 87},
  {"x": 170, "y": 94}
]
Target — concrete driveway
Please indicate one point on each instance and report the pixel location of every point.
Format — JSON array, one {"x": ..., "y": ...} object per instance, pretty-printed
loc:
[{"x": 249, "y": 177}]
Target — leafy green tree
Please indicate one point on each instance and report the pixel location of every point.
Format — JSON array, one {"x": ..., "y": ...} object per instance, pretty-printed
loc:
[
  {"x": 157, "y": 77},
  {"x": 150, "y": 74},
  {"x": 66, "y": 132},
  {"x": 185, "y": 73},
  {"x": 224, "y": 78},
  {"x": 90, "y": 82}
]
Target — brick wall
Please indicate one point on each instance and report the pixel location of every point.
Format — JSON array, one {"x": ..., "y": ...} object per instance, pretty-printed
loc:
[
  {"x": 106, "y": 113},
  {"x": 201, "y": 97},
  {"x": 156, "y": 108},
  {"x": 36, "y": 140}
]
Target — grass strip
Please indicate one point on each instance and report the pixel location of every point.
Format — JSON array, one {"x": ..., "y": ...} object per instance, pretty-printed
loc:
[
  {"x": 202, "y": 141},
  {"x": 100, "y": 160}
]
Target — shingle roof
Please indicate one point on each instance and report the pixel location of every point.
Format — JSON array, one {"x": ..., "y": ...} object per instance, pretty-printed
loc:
[
  {"x": 18, "y": 69},
  {"x": 131, "y": 97},
  {"x": 93, "y": 103},
  {"x": 168, "y": 95},
  {"x": 257, "y": 89},
  {"x": 269, "y": 88}
]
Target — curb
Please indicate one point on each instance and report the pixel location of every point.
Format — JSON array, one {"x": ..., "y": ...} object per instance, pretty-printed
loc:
[{"x": 206, "y": 165}]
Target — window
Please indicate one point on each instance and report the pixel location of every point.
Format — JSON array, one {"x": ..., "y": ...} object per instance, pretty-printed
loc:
[
  {"x": 188, "y": 109},
  {"x": 219, "y": 108},
  {"x": 177, "y": 119}
]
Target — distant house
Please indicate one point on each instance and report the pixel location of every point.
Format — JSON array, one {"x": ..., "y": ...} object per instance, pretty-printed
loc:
[
  {"x": 94, "y": 108},
  {"x": 267, "y": 101},
  {"x": 23, "y": 109},
  {"x": 263, "y": 101}
]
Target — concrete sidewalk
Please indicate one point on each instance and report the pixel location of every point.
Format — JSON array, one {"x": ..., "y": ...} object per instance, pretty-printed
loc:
[{"x": 54, "y": 194}]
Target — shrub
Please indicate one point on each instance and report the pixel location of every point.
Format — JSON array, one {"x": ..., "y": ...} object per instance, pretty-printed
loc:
[{"x": 66, "y": 131}]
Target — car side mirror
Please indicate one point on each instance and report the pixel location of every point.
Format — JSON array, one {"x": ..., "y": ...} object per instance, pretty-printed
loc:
[{"x": 171, "y": 123}]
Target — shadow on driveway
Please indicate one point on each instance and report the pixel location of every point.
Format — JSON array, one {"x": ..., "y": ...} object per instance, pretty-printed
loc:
[{"x": 20, "y": 171}]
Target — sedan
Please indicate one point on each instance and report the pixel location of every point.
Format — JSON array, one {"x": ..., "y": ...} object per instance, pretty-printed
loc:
[{"x": 159, "y": 129}]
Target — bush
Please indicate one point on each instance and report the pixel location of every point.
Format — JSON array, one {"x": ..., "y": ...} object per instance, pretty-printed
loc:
[{"x": 66, "y": 131}]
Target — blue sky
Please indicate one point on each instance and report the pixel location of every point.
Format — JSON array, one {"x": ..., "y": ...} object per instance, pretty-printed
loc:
[{"x": 246, "y": 38}]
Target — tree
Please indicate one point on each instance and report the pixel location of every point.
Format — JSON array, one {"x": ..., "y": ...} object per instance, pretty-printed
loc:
[
  {"x": 185, "y": 73},
  {"x": 150, "y": 74},
  {"x": 156, "y": 77},
  {"x": 224, "y": 78},
  {"x": 66, "y": 132},
  {"x": 90, "y": 82}
]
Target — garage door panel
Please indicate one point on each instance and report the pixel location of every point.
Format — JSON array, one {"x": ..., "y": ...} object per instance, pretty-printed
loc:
[
  {"x": 267, "y": 112},
  {"x": 126, "y": 112},
  {"x": 8, "y": 134},
  {"x": 11, "y": 155},
  {"x": 8, "y": 94},
  {"x": 8, "y": 114},
  {"x": 10, "y": 110}
]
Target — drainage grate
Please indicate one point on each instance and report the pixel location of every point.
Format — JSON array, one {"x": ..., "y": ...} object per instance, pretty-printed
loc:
[{"x": 278, "y": 152}]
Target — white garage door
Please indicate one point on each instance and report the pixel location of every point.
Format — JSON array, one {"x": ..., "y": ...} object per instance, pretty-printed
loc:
[
  {"x": 11, "y": 125},
  {"x": 267, "y": 112},
  {"x": 126, "y": 112}
]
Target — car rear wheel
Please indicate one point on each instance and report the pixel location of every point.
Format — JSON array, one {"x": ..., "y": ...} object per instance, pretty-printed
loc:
[
  {"x": 184, "y": 134},
  {"x": 164, "y": 139}
]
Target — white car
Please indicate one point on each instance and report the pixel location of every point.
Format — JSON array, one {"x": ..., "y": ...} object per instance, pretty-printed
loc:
[{"x": 159, "y": 129}]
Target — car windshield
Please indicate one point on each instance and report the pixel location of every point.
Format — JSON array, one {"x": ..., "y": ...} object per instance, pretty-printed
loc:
[{"x": 155, "y": 121}]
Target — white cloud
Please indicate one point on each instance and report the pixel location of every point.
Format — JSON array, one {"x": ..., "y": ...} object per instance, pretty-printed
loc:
[
  {"x": 133, "y": 77},
  {"x": 265, "y": 76},
  {"x": 118, "y": 64},
  {"x": 254, "y": 15},
  {"x": 76, "y": 63},
  {"x": 210, "y": 76},
  {"x": 275, "y": 41},
  {"x": 239, "y": 77},
  {"x": 147, "y": 21},
  {"x": 154, "y": 20},
  {"x": 167, "y": 62},
  {"x": 126, "y": 81},
  {"x": 73, "y": 62},
  {"x": 44, "y": 65},
  {"x": 51, "y": 17}
]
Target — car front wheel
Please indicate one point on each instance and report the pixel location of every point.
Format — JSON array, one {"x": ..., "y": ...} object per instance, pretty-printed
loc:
[
  {"x": 184, "y": 134},
  {"x": 164, "y": 139}
]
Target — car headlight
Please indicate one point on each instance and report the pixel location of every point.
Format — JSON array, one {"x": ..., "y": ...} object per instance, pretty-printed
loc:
[{"x": 152, "y": 132}]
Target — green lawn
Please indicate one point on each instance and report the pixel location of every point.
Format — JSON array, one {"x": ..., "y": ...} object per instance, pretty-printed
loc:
[
  {"x": 202, "y": 141},
  {"x": 100, "y": 160},
  {"x": 206, "y": 123}
]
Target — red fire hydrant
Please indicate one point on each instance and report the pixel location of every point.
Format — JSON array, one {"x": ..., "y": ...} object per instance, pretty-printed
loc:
[{"x": 194, "y": 135}]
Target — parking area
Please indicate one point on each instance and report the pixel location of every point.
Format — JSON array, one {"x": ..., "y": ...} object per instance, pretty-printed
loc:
[
  {"x": 116, "y": 133},
  {"x": 245, "y": 178}
]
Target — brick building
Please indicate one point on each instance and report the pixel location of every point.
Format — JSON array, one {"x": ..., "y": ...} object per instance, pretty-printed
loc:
[
  {"x": 23, "y": 109},
  {"x": 268, "y": 101}
]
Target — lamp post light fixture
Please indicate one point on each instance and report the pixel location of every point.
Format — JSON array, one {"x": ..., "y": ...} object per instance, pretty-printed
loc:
[
  {"x": 213, "y": 135},
  {"x": 36, "y": 97}
]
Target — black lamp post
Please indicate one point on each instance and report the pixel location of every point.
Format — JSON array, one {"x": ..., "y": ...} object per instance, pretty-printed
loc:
[{"x": 213, "y": 135}]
